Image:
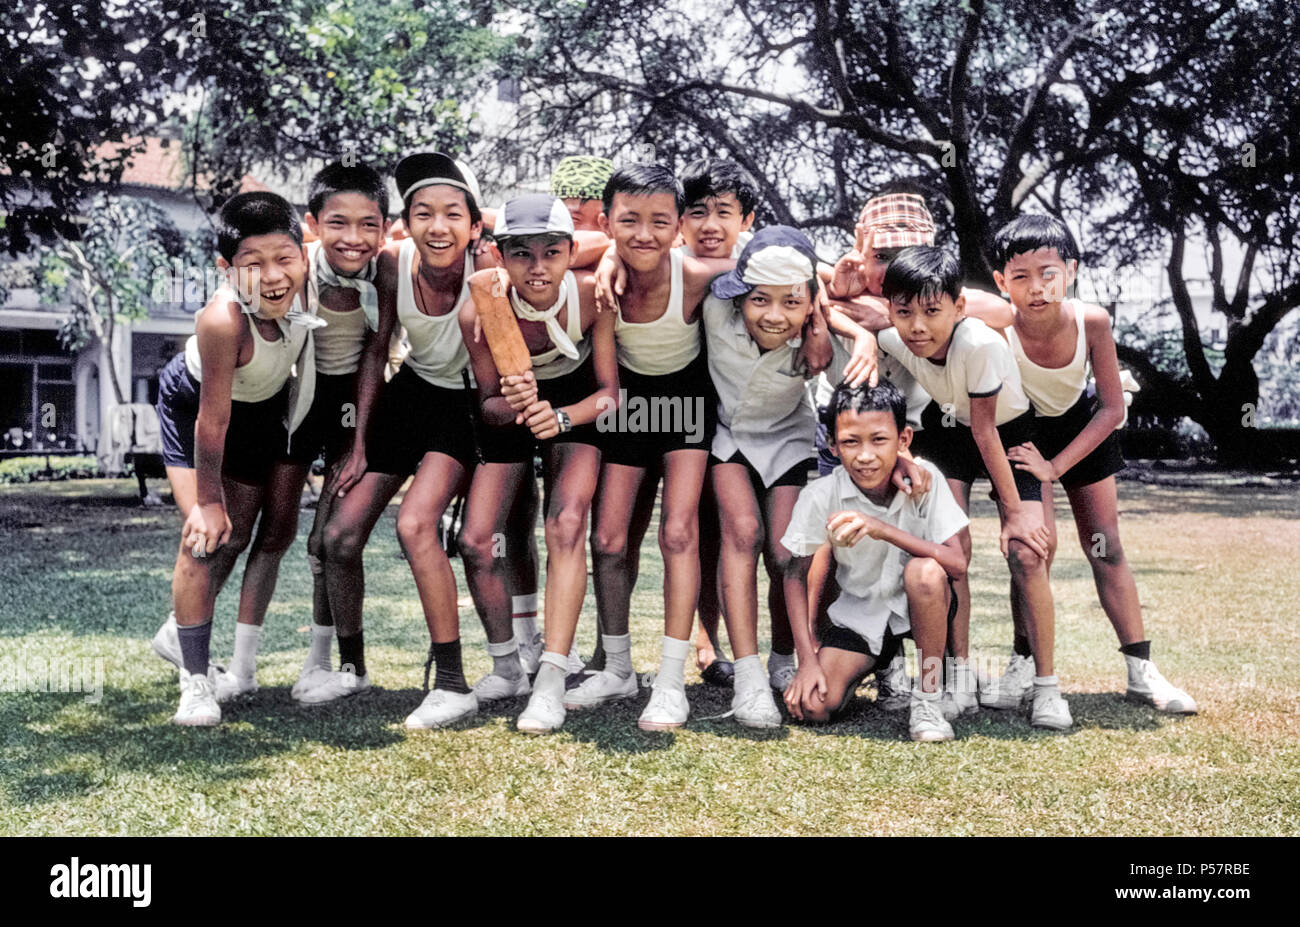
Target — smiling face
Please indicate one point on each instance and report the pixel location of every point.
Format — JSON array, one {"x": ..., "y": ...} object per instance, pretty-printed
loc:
[
  {"x": 439, "y": 220},
  {"x": 926, "y": 323},
  {"x": 1036, "y": 281},
  {"x": 536, "y": 265},
  {"x": 350, "y": 229},
  {"x": 267, "y": 271},
  {"x": 712, "y": 225},
  {"x": 643, "y": 228},
  {"x": 775, "y": 314},
  {"x": 867, "y": 444}
]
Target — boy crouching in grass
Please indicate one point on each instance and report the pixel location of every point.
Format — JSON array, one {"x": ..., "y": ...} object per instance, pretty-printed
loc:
[{"x": 896, "y": 557}]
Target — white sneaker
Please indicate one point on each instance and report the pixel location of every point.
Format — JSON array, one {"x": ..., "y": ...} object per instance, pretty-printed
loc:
[
  {"x": 781, "y": 673},
  {"x": 227, "y": 686},
  {"x": 309, "y": 678},
  {"x": 960, "y": 697},
  {"x": 493, "y": 687},
  {"x": 198, "y": 706},
  {"x": 894, "y": 686},
  {"x": 1146, "y": 685},
  {"x": 666, "y": 710},
  {"x": 335, "y": 686},
  {"x": 1050, "y": 710},
  {"x": 545, "y": 713},
  {"x": 441, "y": 708},
  {"x": 756, "y": 708},
  {"x": 926, "y": 722},
  {"x": 530, "y": 654},
  {"x": 598, "y": 688},
  {"x": 1010, "y": 691}
]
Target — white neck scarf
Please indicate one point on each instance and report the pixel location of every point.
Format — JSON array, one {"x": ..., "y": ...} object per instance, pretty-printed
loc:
[
  {"x": 559, "y": 337},
  {"x": 295, "y": 316},
  {"x": 363, "y": 283}
]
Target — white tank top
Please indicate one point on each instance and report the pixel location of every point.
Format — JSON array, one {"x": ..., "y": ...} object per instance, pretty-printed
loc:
[
  {"x": 551, "y": 364},
  {"x": 266, "y": 371},
  {"x": 663, "y": 345},
  {"x": 1053, "y": 390},
  {"x": 438, "y": 353},
  {"x": 340, "y": 343}
]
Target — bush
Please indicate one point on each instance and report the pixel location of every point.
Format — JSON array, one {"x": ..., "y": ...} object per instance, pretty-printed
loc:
[{"x": 35, "y": 469}]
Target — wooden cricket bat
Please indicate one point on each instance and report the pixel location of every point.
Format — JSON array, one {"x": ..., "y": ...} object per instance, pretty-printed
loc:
[{"x": 500, "y": 327}]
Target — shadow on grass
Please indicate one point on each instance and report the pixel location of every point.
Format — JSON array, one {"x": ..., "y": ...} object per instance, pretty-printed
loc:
[{"x": 57, "y": 746}]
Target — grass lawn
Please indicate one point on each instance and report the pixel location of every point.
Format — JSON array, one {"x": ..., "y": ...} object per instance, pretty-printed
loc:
[{"x": 85, "y": 575}]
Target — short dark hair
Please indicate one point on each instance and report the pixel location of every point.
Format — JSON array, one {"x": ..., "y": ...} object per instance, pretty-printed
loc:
[
  {"x": 883, "y": 397},
  {"x": 643, "y": 180},
  {"x": 336, "y": 177},
  {"x": 1029, "y": 233},
  {"x": 921, "y": 271},
  {"x": 713, "y": 177},
  {"x": 247, "y": 214}
]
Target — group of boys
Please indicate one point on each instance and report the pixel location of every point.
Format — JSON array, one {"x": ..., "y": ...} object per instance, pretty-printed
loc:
[{"x": 684, "y": 302}]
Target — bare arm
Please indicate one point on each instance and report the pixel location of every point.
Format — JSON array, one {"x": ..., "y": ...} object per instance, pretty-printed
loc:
[
  {"x": 989, "y": 308},
  {"x": 853, "y": 526}
]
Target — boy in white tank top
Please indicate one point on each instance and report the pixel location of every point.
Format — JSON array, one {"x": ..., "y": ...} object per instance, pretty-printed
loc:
[
  {"x": 222, "y": 419},
  {"x": 1055, "y": 341},
  {"x": 340, "y": 373},
  {"x": 661, "y": 420}
]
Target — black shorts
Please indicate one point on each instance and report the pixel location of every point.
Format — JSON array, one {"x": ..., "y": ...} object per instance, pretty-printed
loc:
[
  {"x": 1055, "y": 432},
  {"x": 953, "y": 450},
  {"x": 661, "y": 414},
  {"x": 413, "y": 418},
  {"x": 795, "y": 476},
  {"x": 843, "y": 639},
  {"x": 327, "y": 429},
  {"x": 256, "y": 435},
  {"x": 516, "y": 444}
]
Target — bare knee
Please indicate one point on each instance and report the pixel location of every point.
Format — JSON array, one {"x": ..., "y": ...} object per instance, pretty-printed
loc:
[
  {"x": 609, "y": 546},
  {"x": 565, "y": 529},
  {"x": 480, "y": 551},
  {"x": 924, "y": 578},
  {"x": 341, "y": 544},
  {"x": 743, "y": 535},
  {"x": 1104, "y": 549},
  {"x": 415, "y": 529},
  {"x": 1022, "y": 559},
  {"x": 678, "y": 537}
]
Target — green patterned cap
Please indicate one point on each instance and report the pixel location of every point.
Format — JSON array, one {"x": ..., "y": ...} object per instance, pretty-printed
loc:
[{"x": 581, "y": 176}]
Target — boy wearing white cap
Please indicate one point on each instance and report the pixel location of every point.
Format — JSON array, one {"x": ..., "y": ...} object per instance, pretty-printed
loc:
[{"x": 550, "y": 410}]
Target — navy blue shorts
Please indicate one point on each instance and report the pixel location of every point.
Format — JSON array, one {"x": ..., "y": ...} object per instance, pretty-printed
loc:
[
  {"x": 953, "y": 450},
  {"x": 412, "y": 418},
  {"x": 1055, "y": 432},
  {"x": 328, "y": 428},
  {"x": 255, "y": 438},
  {"x": 661, "y": 414},
  {"x": 516, "y": 444}
]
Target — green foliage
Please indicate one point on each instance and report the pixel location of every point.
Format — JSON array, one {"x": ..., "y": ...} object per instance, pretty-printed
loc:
[{"x": 39, "y": 469}]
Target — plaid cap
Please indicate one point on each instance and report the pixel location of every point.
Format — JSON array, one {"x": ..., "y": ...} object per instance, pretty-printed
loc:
[
  {"x": 896, "y": 220},
  {"x": 581, "y": 176}
]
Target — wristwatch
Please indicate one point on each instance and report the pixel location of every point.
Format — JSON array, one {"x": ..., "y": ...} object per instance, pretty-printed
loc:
[{"x": 563, "y": 418}]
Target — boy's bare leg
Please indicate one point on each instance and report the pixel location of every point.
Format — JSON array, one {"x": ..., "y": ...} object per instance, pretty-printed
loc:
[
  {"x": 818, "y": 573},
  {"x": 641, "y": 514},
  {"x": 843, "y": 670},
  {"x": 742, "y": 541},
  {"x": 708, "y": 649},
  {"x": 276, "y": 531},
  {"x": 436, "y": 484},
  {"x": 1096, "y": 516},
  {"x": 521, "y": 567},
  {"x": 928, "y": 602},
  {"x": 345, "y": 536},
  {"x": 959, "y": 632},
  {"x": 610, "y": 551},
  {"x": 1029, "y": 572},
  {"x": 778, "y": 504}
]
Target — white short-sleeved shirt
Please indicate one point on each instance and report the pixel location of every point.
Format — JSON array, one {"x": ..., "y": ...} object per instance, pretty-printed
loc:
[
  {"x": 764, "y": 410},
  {"x": 871, "y": 571},
  {"x": 979, "y": 363}
]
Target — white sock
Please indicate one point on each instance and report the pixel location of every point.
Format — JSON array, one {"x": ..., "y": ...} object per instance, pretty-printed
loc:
[
  {"x": 918, "y": 692},
  {"x": 244, "y": 663},
  {"x": 963, "y": 678},
  {"x": 523, "y": 611},
  {"x": 672, "y": 664},
  {"x": 777, "y": 661},
  {"x": 322, "y": 640},
  {"x": 551, "y": 672},
  {"x": 1045, "y": 682},
  {"x": 618, "y": 654},
  {"x": 749, "y": 673},
  {"x": 505, "y": 659}
]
